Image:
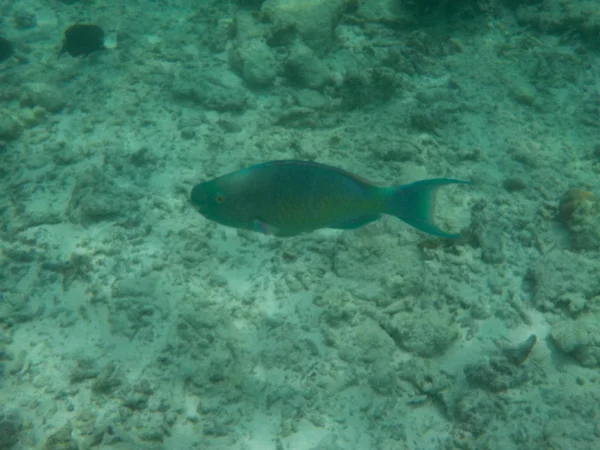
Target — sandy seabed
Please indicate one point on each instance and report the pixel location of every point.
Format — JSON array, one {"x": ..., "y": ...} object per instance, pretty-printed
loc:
[{"x": 128, "y": 321}]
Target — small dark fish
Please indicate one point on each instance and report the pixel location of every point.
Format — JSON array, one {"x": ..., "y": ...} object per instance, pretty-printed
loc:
[
  {"x": 6, "y": 49},
  {"x": 83, "y": 39},
  {"x": 286, "y": 198}
]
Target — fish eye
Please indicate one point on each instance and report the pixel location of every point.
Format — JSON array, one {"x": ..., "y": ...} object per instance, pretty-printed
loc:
[{"x": 219, "y": 198}]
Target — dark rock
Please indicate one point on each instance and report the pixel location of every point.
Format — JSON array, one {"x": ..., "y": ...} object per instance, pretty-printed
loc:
[
  {"x": 62, "y": 440},
  {"x": 11, "y": 425},
  {"x": 496, "y": 375},
  {"x": 6, "y": 49}
]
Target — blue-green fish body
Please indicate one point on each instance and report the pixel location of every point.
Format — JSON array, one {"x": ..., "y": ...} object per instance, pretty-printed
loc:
[{"x": 287, "y": 198}]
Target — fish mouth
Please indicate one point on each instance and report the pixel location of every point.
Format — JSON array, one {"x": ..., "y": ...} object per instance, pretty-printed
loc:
[{"x": 198, "y": 197}]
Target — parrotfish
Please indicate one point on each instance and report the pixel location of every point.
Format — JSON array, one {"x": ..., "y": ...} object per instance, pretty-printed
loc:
[{"x": 287, "y": 198}]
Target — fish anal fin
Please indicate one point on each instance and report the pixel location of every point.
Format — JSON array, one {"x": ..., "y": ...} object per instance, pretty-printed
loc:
[{"x": 265, "y": 228}]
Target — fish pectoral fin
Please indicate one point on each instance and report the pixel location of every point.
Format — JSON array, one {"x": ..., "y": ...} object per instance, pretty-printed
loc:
[
  {"x": 265, "y": 228},
  {"x": 355, "y": 222}
]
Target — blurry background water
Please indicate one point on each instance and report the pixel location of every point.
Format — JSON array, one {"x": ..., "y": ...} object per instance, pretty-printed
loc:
[{"x": 128, "y": 321}]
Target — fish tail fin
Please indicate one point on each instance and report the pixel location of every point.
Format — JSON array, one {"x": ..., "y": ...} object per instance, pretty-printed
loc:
[{"x": 415, "y": 203}]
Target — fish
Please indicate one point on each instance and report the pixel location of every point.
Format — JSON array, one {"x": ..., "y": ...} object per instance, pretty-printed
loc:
[
  {"x": 82, "y": 39},
  {"x": 289, "y": 197}
]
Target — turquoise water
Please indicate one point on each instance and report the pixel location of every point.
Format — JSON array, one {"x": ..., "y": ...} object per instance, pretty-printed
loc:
[{"x": 129, "y": 321}]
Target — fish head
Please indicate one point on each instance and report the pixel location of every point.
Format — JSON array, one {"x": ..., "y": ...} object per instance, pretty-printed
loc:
[
  {"x": 217, "y": 201},
  {"x": 207, "y": 199}
]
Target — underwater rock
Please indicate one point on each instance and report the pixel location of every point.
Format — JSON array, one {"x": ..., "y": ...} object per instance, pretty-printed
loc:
[
  {"x": 518, "y": 353},
  {"x": 427, "y": 377},
  {"x": 589, "y": 110},
  {"x": 309, "y": 98},
  {"x": 10, "y": 128},
  {"x": 155, "y": 429},
  {"x": 297, "y": 117},
  {"x": 579, "y": 210},
  {"x": 427, "y": 333},
  {"x": 585, "y": 233},
  {"x": 553, "y": 277},
  {"x": 77, "y": 268},
  {"x": 371, "y": 343},
  {"x": 496, "y": 374},
  {"x": 214, "y": 91},
  {"x": 305, "y": 68},
  {"x": 246, "y": 27},
  {"x": 249, "y": 3},
  {"x": 62, "y": 439},
  {"x": 24, "y": 19},
  {"x": 135, "y": 287},
  {"x": 579, "y": 338},
  {"x": 315, "y": 20},
  {"x": 11, "y": 425},
  {"x": 391, "y": 12},
  {"x": 6, "y": 49},
  {"x": 338, "y": 307},
  {"x": 96, "y": 197},
  {"x": 109, "y": 379},
  {"x": 83, "y": 39},
  {"x": 583, "y": 16},
  {"x": 383, "y": 379},
  {"x": 490, "y": 238},
  {"x": 475, "y": 411},
  {"x": 136, "y": 401},
  {"x": 85, "y": 369},
  {"x": 362, "y": 87},
  {"x": 19, "y": 308},
  {"x": 255, "y": 61},
  {"x": 43, "y": 95},
  {"x": 514, "y": 184},
  {"x": 576, "y": 201}
]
